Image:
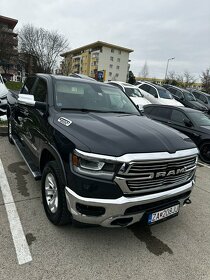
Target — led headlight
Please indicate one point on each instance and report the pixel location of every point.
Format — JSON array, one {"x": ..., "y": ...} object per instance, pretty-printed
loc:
[{"x": 92, "y": 167}]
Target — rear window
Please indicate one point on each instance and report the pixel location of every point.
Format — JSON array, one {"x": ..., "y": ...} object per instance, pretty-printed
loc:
[{"x": 158, "y": 112}]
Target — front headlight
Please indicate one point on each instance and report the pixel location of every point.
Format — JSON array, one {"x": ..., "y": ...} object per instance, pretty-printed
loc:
[{"x": 92, "y": 167}]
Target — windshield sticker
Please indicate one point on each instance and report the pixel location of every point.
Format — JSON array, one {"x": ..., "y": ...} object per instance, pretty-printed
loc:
[{"x": 64, "y": 121}]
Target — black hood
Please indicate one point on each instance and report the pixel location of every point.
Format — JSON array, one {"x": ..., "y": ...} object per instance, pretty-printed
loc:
[{"x": 118, "y": 134}]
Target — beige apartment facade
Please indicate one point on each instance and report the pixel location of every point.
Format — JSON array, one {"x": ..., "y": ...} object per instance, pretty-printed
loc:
[{"x": 99, "y": 60}]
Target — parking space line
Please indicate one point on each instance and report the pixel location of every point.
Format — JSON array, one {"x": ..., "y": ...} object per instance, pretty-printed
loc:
[
  {"x": 18, "y": 236},
  {"x": 202, "y": 164}
]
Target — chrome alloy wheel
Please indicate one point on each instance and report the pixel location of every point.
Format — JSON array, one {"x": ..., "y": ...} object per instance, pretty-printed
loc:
[{"x": 51, "y": 192}]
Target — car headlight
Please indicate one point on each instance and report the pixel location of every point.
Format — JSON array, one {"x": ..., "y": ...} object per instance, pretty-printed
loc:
[{"x": 92, "y": 167}]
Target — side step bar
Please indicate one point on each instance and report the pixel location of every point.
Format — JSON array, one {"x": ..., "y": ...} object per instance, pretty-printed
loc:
[{"x": 34, "y": 170}]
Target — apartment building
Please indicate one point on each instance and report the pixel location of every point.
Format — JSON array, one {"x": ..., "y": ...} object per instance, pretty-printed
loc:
[
  {"x": 99, "y": 60},
  {"x": 8, "y": 48}
]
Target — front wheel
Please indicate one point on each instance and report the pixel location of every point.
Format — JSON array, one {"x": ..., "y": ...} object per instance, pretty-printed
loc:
[
  {"x": 205, "y": 152},
  {"x": 53, "y": 195}
]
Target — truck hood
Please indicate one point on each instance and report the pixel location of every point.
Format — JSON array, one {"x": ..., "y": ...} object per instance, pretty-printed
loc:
[{"x": 119, "y": 134}]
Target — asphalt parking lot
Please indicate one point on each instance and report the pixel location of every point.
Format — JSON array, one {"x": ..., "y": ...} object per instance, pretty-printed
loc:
[{"x": 176, "y": 249}]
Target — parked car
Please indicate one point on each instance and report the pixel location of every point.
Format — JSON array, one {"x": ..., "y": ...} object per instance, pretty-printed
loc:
[
  {"x": 157, "y": 94},
  {"x": 193, "y": 123},
  {"x": 186, "y": 98},
  {"x": 81, "y": 76},
  {"x": 201, "y": 97},
  {"x": 99, "y": 159},
  {"x": 133, "y": 92},
  {"x": 3, "y": 97}
]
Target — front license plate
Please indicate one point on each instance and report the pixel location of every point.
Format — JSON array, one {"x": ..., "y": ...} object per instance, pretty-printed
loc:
[{"x": 163, "y": 214}]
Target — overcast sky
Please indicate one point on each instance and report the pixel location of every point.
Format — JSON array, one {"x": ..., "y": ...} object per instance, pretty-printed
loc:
[{"x": 156, "y": 30}]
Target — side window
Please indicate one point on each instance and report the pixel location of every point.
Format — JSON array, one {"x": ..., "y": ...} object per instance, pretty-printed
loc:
[
  {"x": 161, "y": 113},
  {"x": 178, "y": 117},
  {"x": 40, "y": 91},
  {"x": 197, "y": 95},
  {"x": 145, "y": 87},
  {"x": 28, "y": 85},
  {"x": 203, "y": 99},
  {"x": 179, "y": 94},
  {"x": 153, "y": 91}
]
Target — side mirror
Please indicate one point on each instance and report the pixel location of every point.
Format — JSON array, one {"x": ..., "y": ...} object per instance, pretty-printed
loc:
[
  {"x": 188, "y": 123},
  {"x": 28, "y": 100}
]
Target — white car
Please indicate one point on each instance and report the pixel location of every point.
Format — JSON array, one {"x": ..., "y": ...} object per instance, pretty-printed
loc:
[
  {"x": 133, "y": 92},
  {"x": 3, "y": 97},
  {"x": 157, "y": 94}
]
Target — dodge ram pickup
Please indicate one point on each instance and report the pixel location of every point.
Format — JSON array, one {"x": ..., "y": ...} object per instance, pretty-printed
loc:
[{"x": 100, "y": 161}]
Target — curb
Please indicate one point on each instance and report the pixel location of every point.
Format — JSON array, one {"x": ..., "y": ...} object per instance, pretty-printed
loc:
[{"x": 3, "y": 130}]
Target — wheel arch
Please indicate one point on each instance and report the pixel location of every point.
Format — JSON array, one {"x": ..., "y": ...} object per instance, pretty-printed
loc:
[{"x": 51, "y": 154}]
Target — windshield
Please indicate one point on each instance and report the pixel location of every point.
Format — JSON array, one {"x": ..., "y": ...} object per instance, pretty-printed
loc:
[
  {"x": 164, "y": 93},
  {"x": 200, "y": 119},
  {"x": 208, "y": 97},
  {"x": 133, "y": 92},
  {"x": 87, "y": 96},
  {"x": 189, "y": 96}
]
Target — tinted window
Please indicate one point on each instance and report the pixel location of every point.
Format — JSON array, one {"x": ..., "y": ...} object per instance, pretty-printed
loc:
[
  {"x": 178, "y": 116},
  {"x": 153, "y": 91},
  {"x": 189, "y": 96},
  {"x": 40, "y": 91},
  {"x": 145, "y": 87},
  {"x": 164, "y": 93},
  {"x": 133, "y": 92},
  {"x": 27, "y": 87},
  {"x": 199, "y": 118},
  {"x": 196, "y": 94},
  {"x": 203, "y": 98},
  {"x": 158, "y": 112}
]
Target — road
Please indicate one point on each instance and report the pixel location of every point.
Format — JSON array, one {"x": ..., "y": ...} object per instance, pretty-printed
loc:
[{"x": 176, "y": 249}]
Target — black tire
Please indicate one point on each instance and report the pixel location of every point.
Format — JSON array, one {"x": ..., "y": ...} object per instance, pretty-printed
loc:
[
  {"x": 10, "y": 131},
  {"x": 205, "y": 151},
  {"x": 57, "y": 214}
]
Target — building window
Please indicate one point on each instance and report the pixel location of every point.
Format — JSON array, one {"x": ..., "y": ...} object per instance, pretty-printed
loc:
[
  {"x": 112, "y": 50},
  {"x": 111, "y": 58},
  {"x": 119, "y": 52},
  {"x": 118, "y": 67},
  {"x": 110, "y": 74},
  {"x": 117, "y": 75},
  {"x": 110, "y": 65},
  {"x": 118, "y": 60}
]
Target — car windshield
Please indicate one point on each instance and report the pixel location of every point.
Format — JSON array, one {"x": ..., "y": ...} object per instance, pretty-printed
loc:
[
  {"x": 133, "y": 92},
  {"x": 164, "y": 93},
  {"x": 189, "y": 96},
  {"x": 208, "y": 97},
  {"x": 199, "y": 118},
  {"x": 87, "y": 96}
]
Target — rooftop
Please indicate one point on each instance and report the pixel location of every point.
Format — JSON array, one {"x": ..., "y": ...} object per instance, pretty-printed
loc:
[
  {"x": 10, "y": 21},
  {"x": 94, "y": 45}
]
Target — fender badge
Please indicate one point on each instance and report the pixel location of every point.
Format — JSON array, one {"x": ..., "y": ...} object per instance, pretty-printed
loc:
[{"x": 64, "y": 121}]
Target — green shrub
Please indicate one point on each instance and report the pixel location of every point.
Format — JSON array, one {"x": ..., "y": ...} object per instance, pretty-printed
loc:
[{"x": 14, "y": 85}]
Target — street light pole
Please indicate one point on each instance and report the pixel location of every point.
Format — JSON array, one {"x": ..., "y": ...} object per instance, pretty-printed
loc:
[{"x": 167, "y": 66}]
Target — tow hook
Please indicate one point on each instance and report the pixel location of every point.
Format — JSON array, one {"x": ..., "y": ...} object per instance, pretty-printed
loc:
[{"x": 187, "y": 201}]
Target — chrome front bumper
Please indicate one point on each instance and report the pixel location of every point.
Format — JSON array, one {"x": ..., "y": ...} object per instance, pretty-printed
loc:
[{"x": 115, "y": 208}]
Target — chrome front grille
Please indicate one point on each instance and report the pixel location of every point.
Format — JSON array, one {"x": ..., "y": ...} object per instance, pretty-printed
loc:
[{"x": 150, "y": 176}]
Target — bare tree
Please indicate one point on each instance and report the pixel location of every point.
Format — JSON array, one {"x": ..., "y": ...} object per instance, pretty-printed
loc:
[
  {"x": 145, "y": 71},
  {"x": 189, "y": 80},
  {"x": 205, "y": 79},
  {"x": 41, "y": 46}
]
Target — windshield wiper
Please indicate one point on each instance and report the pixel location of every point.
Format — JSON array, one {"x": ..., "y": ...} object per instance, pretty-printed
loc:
[{"x": 80, "y": 109}]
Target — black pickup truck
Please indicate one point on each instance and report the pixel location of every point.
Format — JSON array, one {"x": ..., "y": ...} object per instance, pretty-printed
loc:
[{"x": 99, "y": 160}]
